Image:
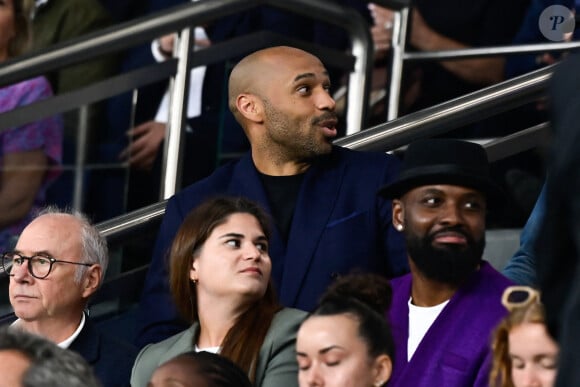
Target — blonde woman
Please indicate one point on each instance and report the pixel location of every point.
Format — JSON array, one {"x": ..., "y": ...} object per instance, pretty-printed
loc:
[{"x": 524, "y": 354}]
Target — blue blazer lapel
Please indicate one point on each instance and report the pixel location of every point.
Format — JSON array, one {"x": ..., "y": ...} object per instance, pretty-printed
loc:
[
  {"x": 314, "y": 207},
  {"x": 246, "y": 181}
]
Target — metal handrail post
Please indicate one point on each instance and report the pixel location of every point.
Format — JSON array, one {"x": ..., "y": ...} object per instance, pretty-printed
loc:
[
  {"x": 196, "y": 13},
  {"x": 361, "y": 49},
  {"x": 398, "y": 42},
  {"x": 81, "y": 158},
  {"x": 359, "y": 84},
  {"x": 174, "y": 144}
]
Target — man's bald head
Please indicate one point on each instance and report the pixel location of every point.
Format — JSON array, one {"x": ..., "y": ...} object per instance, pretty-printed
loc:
[
  {"x": 257, "y": 69},
  {"x": 281, "y": 98}
]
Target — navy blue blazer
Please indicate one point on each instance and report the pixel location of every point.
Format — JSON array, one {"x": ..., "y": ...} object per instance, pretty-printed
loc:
[
  {"x": 111, "y": 359},
  {"x": 339, "y": 224}
]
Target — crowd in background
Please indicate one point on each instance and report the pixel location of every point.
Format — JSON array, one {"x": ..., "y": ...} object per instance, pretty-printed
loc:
[{"x": 254, "y": 259}]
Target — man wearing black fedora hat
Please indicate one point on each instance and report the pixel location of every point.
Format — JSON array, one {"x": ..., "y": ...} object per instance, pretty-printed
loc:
[{"x": 444, "y": 311}]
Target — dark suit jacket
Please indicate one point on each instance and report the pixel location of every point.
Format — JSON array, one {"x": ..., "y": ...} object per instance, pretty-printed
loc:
[
  {"x": 339, "y": 223},
  {"x": 558, "y": 248},
  {"x": 110, "y": 358}
]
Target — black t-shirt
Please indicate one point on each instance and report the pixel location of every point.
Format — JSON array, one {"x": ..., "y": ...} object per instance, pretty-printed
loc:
[{"x": 282, "y": 192}]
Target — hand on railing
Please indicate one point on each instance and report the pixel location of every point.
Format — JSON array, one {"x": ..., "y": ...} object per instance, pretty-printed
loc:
[
  {"x": 382, "y": 30},
  {"x": 166, "y": 44},
  {"x": 144, "y": 144}
]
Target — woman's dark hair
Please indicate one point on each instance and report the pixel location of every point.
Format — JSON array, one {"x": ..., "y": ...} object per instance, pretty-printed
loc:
[
  {"x": 243, "y": 341},
  {"x": 216, "y": 370},
  {"x": 366, "y": 297}
]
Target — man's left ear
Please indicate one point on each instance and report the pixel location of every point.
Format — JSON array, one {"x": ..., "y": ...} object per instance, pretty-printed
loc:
[
  {"x": 383, "y": 370},
  {"x": 92, "y": 279},
  {"x": 248, "y": 105}
]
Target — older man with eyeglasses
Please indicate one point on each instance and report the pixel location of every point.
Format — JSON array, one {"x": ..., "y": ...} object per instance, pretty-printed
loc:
[{"x": 59, "y": 262}]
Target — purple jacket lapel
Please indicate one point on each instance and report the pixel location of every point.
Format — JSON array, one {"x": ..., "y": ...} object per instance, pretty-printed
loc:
[{"x": 455, "y": 350}]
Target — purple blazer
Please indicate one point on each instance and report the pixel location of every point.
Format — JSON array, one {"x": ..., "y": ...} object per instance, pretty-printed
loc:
[{"x": 455, "y": 351}]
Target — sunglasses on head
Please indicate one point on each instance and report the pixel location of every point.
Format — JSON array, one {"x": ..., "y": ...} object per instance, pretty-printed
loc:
[{"x": 519, "y": 296}]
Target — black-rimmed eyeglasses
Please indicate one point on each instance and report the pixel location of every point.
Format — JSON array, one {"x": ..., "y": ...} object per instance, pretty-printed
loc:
[{"x": 39, "y": 266}]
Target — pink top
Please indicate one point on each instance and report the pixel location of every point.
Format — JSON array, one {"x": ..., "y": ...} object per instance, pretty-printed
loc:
[{"x": 45, "y": 134}]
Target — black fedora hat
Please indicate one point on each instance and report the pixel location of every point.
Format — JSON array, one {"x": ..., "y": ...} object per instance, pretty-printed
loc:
[{"x": 444, "y": 161}]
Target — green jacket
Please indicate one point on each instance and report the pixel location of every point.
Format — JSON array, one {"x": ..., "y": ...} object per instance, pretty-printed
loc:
[
  {"x": 58, "y": 21},
  {"x": 276, "y": 367}
]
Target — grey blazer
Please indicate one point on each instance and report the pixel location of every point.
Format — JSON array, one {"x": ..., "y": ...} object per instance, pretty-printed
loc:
[{"x": 276, "y": 367}]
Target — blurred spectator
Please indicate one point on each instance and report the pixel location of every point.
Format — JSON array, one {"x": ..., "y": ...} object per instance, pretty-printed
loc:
[
  {"x": 526, "y": 172},
  {"x": 27, "y": 360},
  {"x": 58, "y": 21},
  {"x": 524, "y": 354},
  {"x": 115, "y": 191},
  {"x": 123, "y": 10},
  {"x": 347, "y": 341},
  {"x": 30, "y": 154},
  {"x": 146, "y": 138},
  {"x": 448, "y": 25},
  {"x": 557, "y": 245},
  {"x": 521, "y": 268},
  {"x": 529, "y": 32},
  {"x": 194, "y": 369},
  {"x": 59, "y": 262}
]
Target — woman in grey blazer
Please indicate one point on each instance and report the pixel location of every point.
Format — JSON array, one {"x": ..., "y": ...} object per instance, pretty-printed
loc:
[{"x": 219, "y": 275}]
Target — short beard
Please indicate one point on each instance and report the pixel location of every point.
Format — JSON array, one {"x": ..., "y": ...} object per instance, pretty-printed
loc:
[
  {"x": 449, "y": 264},
  {"x": 293, "y": 145}
]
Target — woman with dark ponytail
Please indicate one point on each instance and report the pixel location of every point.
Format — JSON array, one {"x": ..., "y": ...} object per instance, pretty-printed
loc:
[{"x": 347, "y": 341}]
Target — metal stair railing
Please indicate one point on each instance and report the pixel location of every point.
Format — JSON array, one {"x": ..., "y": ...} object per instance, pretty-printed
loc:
[
  {"x": 449, "y": 115},
  {"x": 394, "y": 134},
  {"x": 182, "y": 17},
  {"x": 385, "y": 137},
  {"x": 400, "y": 56}
]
